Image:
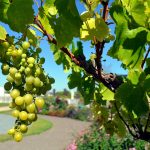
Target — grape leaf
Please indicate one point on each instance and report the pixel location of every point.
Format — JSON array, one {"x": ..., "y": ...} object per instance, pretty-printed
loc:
[
  {"x": 87, "y": 89},
  {"x": 20, "y": 13},
  {"x": 61, "y": 58},
  {"x": 49, "y": 7},
  {"x": 129, "y": 46},
  {"x": 2, "y": 33},
  {"x": 133, "y": 98},
  {"x": 45, "y": 21},
  {"x": 136, "y": 9},
  {"x": 31, "y": 34},
  {"x": 146, "y": 84},
  {"x": 4, "y": 5},
  {"x": 67, "y": 24},
  {"x": 94, "y": 28},
  {"x": 74, "y": 80},
  {"x": 133, "y": 76},
  {"x": 106, "y": 93}
]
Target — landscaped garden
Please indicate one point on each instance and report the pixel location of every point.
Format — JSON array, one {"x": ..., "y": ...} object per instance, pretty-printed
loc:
[{"x": 57, "y": 106}]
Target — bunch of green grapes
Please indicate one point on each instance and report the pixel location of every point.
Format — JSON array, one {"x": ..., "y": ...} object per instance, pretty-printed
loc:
[{"x": 26, "y": 80}]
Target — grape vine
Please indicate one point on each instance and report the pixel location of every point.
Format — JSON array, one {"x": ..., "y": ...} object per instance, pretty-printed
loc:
[{"x": 119, "y": 102}]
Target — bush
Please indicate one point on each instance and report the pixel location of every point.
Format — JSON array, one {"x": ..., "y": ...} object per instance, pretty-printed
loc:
[
  {"x": 96, "y": 139},
  {"x": 81, "y": 113}
]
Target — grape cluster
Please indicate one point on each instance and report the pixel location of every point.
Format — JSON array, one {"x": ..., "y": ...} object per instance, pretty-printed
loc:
[{"x": 26, "y": 80}]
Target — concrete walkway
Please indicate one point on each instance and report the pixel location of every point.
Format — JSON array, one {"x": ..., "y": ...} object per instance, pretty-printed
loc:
[
  {"x": 4, "y": 108},
  {"x": 58, "y": 137}
]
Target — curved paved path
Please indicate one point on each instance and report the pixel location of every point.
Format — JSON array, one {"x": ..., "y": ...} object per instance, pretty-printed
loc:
[{"x": 58, "y": 137}]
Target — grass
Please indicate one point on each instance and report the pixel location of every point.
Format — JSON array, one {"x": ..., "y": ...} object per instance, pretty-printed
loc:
[
  {"x": 3, "y": 104},
  {"x": 37, "y": 127}
]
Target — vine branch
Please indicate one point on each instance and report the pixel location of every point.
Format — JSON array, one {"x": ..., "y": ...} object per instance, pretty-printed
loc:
[
  {"x": 147, "y": 53},
  {"x": 124, "y": 121}
]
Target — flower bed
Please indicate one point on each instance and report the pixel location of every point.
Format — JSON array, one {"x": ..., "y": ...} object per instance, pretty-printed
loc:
[
  {"x": 97, "y": 139},
  {"x": 60, "y": 108}
]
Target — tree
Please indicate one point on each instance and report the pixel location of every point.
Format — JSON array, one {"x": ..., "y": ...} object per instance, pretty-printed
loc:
[{"x": 119, "y": 102}]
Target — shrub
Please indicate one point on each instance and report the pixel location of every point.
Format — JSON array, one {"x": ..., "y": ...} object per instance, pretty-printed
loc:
[{"x": 97, "y": 139}]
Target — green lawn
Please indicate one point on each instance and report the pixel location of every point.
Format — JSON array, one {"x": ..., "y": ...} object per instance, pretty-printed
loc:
[
  {"x": 3, "y": 104},
  {"x": 37, "y": 127}
]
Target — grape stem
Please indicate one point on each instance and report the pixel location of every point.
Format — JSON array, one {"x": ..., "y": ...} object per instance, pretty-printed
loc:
[
  {"x": 148, "y": 51},
  {"x": 130, "y": 131}
]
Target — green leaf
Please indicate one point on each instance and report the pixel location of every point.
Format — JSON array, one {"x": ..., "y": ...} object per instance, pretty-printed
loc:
[
  {"x": 146, "y": 84},
  {"x": 61, "y": 58},
  {"x": 74, "y": 80},
  {"x": 129, "y": 46},
  {"x": 94, "y": 28},
  {"x": 133, "y": 76},
  {"x": 106, "y": 93},
  {"x": 31, "y": 34},
  {"x": 20, "y": 14},
  {"x": 133, "y": 98},
  {"x": 2, "y": 33},
  {"x": 67, "y": 24},
  {"x": 45, "y": 22},
  {"x": 87, "y": 89},
  {"x": 4, "y": 5},
  {"x": 136, "y": 9},
  {"x": 86, "y": 15}
]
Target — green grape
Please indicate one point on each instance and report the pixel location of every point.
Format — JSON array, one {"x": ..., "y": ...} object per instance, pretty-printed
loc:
[
  {"x": 19, "y": 100},
  {"x": 13, "y": 71},
  {"x": 12, "y": 105},
  {"x": 23, "y": 60},
  {"x": 25, "y": 45},
  {"x": 21, "y": 69},
  {"x": 38, "y": 71},
  {"x": 15, "y": 93},
  {"x": 31, "y": 108},
  {"x": 7, "y": 86},
  {"x": 14, "y": 53},
  {"x": 37, "y": 82},
  {"x": 30, "y": 41},
  {"x": 31, "y": 116},
  {"x": 18, "y": 82},
  {"x": 15, "y": 113},
  {"x": 28, "y": 98},
  {"x": 29, "y": 80},
  {"x": 23, "y": 55},
  {"x": 11, "y": 131},
  {"x": 23, "y": 128},
  {"x": 5, "y": 69},
  {"x": 20, "y": 52},
  {"x": 27, "y": 71},
  {"x": 17, "y": 136},
  {"x": 23, "y": 115},
  {"x": 10, "y": 78},
  {"x": 31, "y": 60},
  {"x": 18, "y": 76},
  {"x": 5, "y": 45},
  {"x": 31, "y": 65},
  {"x": 38, "y": 50},
  {"x": 28, "y": 87},
  {"x": 39, "y": 102}
]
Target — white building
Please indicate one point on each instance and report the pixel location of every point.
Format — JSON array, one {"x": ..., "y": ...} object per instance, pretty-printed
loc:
[{"x": 4, "y": 96}]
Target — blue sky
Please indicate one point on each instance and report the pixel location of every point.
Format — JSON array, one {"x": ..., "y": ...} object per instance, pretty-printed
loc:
[{"x": 57, "y": 71}]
